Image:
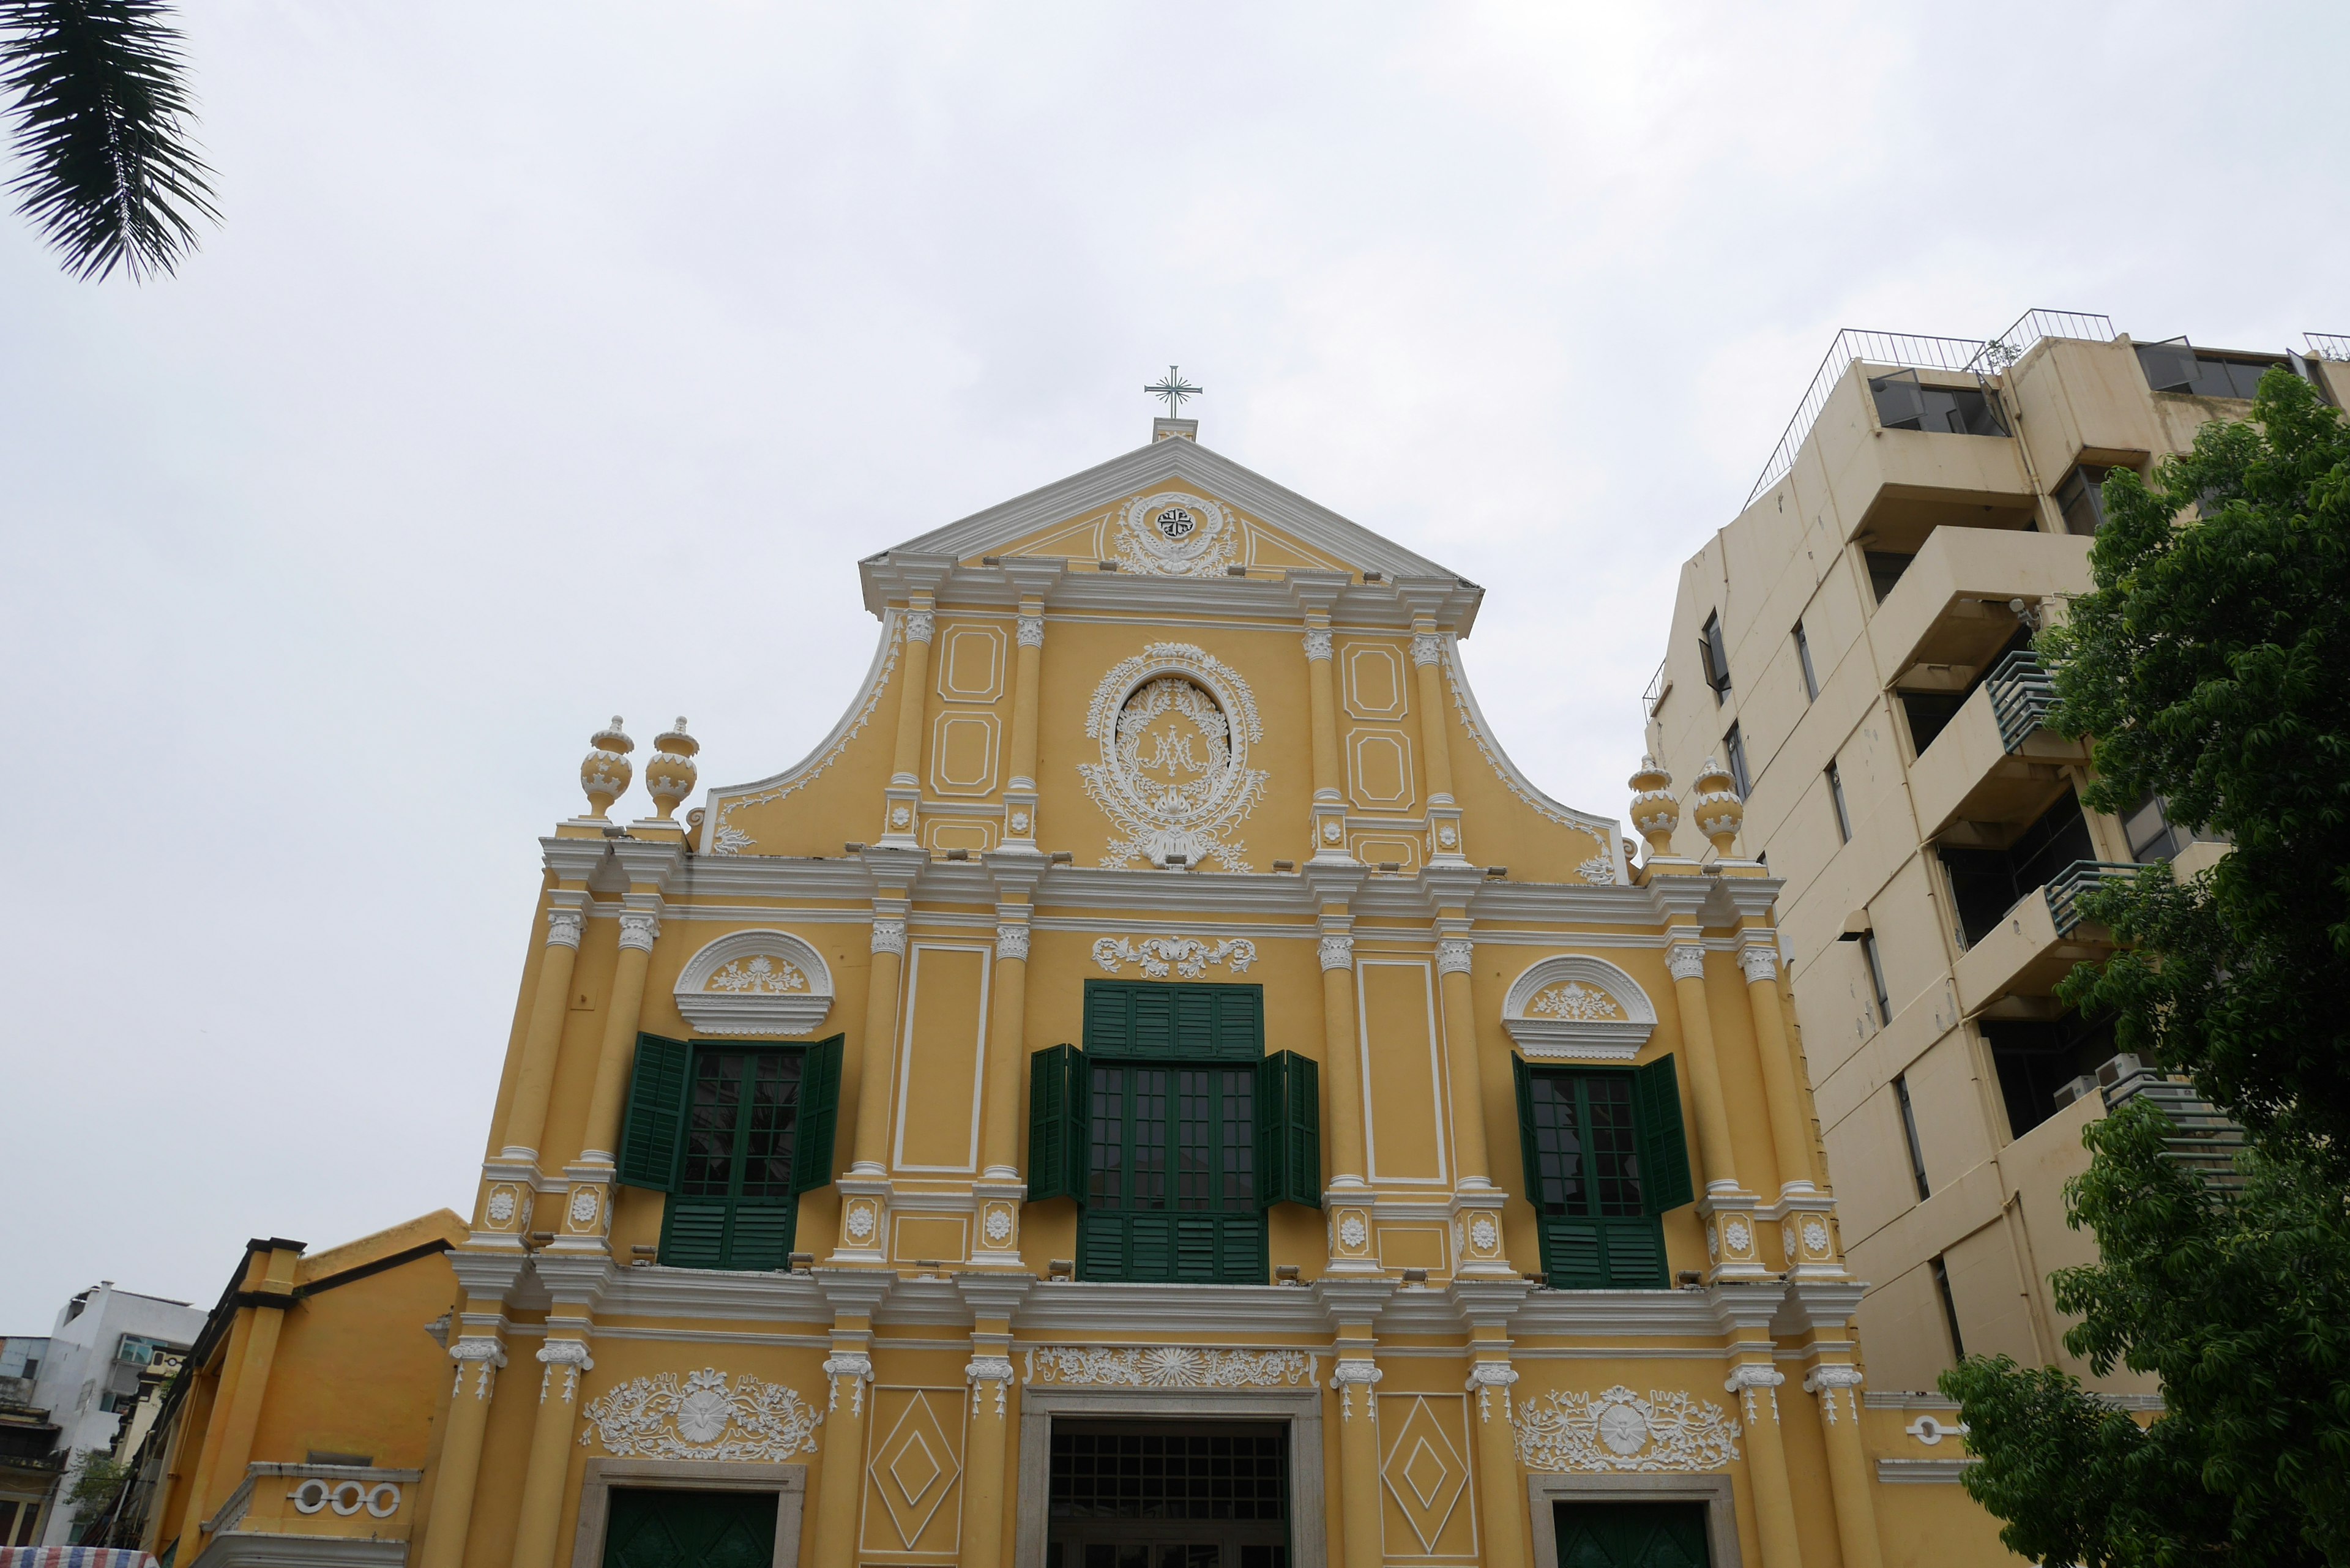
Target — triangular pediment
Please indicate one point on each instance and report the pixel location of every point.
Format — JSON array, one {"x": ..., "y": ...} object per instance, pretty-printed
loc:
[{"x": 1096, "y": 514}]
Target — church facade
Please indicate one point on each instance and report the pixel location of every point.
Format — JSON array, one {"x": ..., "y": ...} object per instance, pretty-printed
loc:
[{"x": 1155, "y": 1088}]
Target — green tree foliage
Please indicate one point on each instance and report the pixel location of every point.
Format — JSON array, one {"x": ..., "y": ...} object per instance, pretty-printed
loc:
[
  {"x": 96, "y": 1485},
  {"x": 110, "y": 176},
  {"x": 2212, "y": 667}
]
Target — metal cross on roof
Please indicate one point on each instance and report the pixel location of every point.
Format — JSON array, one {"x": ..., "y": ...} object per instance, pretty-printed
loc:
[{"x": 1174, "y": 388}]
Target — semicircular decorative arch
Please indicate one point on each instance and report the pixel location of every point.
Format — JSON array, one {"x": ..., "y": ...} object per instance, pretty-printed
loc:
[
  {"x": 1174, "y": 724},
  {"x": 1574, "y": 1006},
  {"x": 756, "y": 982}
]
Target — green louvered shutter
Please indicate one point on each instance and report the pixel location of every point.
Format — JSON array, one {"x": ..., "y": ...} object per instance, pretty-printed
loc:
[
  {"x": 1101, "y": 1246},
  {"x": 1150, "y": 1010},
  {"x": 1635, "y": 1252},
  {"x": 1057, "y": 1116},
  {"x": 1197, "y": 1243},
  {"x": 1109, "y": 1017},
  {"x": 1289, "y": 1130},
  {"x": 1240, "y": 1022},
  {"x": 1529, "y": 1162},
  {"x": 693, "y": 1233},
  {"x": 1574, "y": 1254},
  {"x": 1194, "y": 1008},
  {"x": 1240, "y": 1249},
  {"x": 1664, "y": 1148},
  {"x": 760, "y": 1235},
  {"x": 655, "y": 1115},
  {"x": 1149, "y": 1247},
  {"x": 819, "y": 1116}
]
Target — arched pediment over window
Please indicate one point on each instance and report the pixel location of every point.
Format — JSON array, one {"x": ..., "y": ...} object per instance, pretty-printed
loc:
[
  {"x": 1577, "y": 1007},
  {"x": 756, "y": 982}
]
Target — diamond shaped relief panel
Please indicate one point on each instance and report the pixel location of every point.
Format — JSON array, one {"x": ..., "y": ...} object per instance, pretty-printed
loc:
[
  {"x": 1425, "y": 1469},
  {"x": 912, "y": 1471}
]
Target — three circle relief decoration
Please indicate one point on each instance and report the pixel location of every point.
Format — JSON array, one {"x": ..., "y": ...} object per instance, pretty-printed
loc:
[
  {"x": 1174, "y": 724},
  {"x": 756, "y": 982},
  {"x": 1174, "y": 534}
]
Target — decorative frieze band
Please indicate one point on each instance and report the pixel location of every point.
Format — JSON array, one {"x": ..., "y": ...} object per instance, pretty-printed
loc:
[
  {"x": 702, "y": 1417},
  {"x": 1184, "y": 956},
  {"x": 1169, "y": 1366},
  {"x": 1616, "y": 1429}
]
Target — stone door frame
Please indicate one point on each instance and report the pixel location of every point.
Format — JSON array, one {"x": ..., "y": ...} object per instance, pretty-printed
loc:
[
  {"x": 787, "y": 1482},
  {"x": 1300, "y": 1407},
  {"x": 1714, "y": 1490}
]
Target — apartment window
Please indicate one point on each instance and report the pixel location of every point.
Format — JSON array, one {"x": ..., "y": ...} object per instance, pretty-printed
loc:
[
  {"x": 1716, "y": 657},
  {"x": 1949, "y": 1309},
  {"x": 2175, "y": 367},
  {"x": 734, "y": 1135},
  {"x": 1904, "y": 402},
  {"x": 1803, "y": 658},
  {"x": 1877, "y": 978},
  {"x": 1604, "y": 1158},
  {"x": 1174, "y": 1132},
  {"x": 1733, "y": 750},
  {"x": 1836, "y": 797},
  {"x": 2035, "y": 1058},
  {"x": 1909, "y": 1132},
  {"x": 2081, "y": 500},
  {"x": 1885, "y": 569}
]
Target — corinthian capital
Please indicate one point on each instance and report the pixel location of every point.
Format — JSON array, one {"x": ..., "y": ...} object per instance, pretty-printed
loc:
[
  {"x": 1759, "y": 962},
  {"x": 564, "y": 927},
  {"x": 638, "y": 929},
  {"x": 1686, "y": 959},
  {"x": 1337, "y": 953}
]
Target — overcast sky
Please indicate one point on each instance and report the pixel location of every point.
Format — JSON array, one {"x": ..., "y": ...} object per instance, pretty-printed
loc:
[{"x": 559, "y": 360}]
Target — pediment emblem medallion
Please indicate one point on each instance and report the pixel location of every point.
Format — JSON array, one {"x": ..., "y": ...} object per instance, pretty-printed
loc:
[
  {"x": 1174, "y": 534},
  {"x": 1174, "y": 724}
]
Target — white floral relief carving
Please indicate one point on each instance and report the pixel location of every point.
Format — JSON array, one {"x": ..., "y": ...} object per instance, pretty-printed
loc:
[
  {"x": 1576, "y": 1002},
  {"x": 1599, "y": 867},
  {"x": 1616, "y": 1429},
  {"x": 762, "y": 975},
  {"x": 1174, "y": 534},
  {"x": 702, "y": 1417},
  {"x": 1484, "y": 1235},
  {"x": 1815, "y": 1235},
  {"x": 1170, "y": 1366},
  {"x": 1173, "y": 776},
  {"x": 1185, "y": 955},
  {"x": 1353, "y": 1233},
  {"x": 727, "y": 839},
  {"x": 1736, "y": 1235}
]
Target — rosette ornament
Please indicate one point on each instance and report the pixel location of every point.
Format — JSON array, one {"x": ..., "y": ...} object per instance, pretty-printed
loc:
[
  {"x": 605, "y": 771},
  {"x": 1717, "y": 810},
  {"x": 670, "y": 772},
  {"x": 1655, "y": 812}
]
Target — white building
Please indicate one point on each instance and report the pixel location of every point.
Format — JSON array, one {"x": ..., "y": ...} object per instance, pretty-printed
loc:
[{"x": 89, "y": 1373}]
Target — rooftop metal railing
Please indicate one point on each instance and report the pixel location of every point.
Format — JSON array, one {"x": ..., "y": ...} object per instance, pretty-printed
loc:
[
  {"x": 1896, "y": 349},
  {"x": 1656, "y": 691},
  {"x": 2327, "y": 345},
  {"x": 2067, "y": 888},
  {"x": 2032, "y": 326},
  {"x": 2021, "y": 692}
]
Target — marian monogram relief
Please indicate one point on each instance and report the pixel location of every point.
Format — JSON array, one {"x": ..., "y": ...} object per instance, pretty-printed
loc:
[{"x": 1174, "y": 725}]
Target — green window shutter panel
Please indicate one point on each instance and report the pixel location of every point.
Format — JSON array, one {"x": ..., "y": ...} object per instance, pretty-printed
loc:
[
  {"x": 819, "y": 1114},
  {"x": 1575, "y": 1258},
  {"x": 1152, "y": 1010},
  {"x": 1636, "y": 1253},
  {"x": 1529, "y": 1162},
  {"x": 1109, "y": 1017},
  {"x": 1101, "y": 1246},
  {"x": 1240, "y": 1021},
  {"x": 1195, "y": 1019},
  {"x": 1240, "y": 1252},
  {"x": 1289, "y": 1130},
  {"x": 1198, "y": 1249},
  {"x": 693, "y": 1233},
  {"x": 760, "y": 1236},
  {"x": 655, "y": 1121},
  {"x": 1664, "y": 1148},
  {"x": 1056, "y": 1110}
]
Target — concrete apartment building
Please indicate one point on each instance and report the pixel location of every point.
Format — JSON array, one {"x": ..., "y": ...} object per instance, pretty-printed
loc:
[{"x": 1854, "y": 648}]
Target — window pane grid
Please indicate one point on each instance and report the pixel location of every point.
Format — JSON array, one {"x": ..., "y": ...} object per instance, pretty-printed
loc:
[
  {"x": 768, "y": 1145},
  {"x": 1143, "y": 1475},
  {"x": 1194, "y": 1123},
  {"x": 1239, "y": 1139},
  {"x": 1106, "y": 1163},
  {"x": 1150, "y": 1138},
  {"x": 712, "y": 1123},
  {"x": 1615, "y": 1151},
  {"x": 1558, "y": 1146}
]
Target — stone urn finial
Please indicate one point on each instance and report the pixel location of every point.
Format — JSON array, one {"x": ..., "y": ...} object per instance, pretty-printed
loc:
[
  {"x": 1717, "y": 810},
  {"x": 605, "y": 771},
  {"x": 1655, "y": 812},
  {"x": 670, "y": 772}
]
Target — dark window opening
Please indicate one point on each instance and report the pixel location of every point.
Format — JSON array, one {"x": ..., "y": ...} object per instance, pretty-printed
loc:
[
  {"x": 1168, "y": 1494},
  {"x": 2081, "y": 500},
  {"x": 1930, "y": 713},
  {"x": 1910, "y": 1134},
  {"x": 1733, "y": 748},
  {"x": 1836, "y": 797},
  {"x": 1803, "y": 658},
  {"x": 1716, "y": 658},
  {"x": 2175, "y": 367},
  {"x": 1949, "y": 1309},
  {"x": 657, "y": 1528},
  {"x": 1636, "y": 1534},
  {"x": 1905, "y": 403},
  {"x": 1877, "y": 978},
  {"x": 2035, "y": 1058},
  {"x": 1885, "y": 569},
  {"x": 1986, "y": 882},
  {"x": 2153, "y": 836}
]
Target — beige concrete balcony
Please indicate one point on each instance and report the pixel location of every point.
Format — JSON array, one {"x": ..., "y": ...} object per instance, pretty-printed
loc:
[
  {"x": 1994, "y": 763},
  {"x": 1949, "y": 608},
  {"x": 2015, "y": 967},
  {"x": 1901, "y": 484}
]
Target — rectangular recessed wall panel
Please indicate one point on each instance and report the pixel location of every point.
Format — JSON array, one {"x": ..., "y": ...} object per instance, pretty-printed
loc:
[
  {"x": 1395, "y": 1004},
  {"x": 943, "y": 1062}
]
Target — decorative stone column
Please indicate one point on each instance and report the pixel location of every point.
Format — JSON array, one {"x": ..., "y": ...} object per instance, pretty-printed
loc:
[
  {"x": 538, "y": 1519},
  {"x": 479, "y": 1352},
  {"x": 840, "y": 1479},
  {"x": 994, "y": 1390},
  {"x": 901, "y": 824},
  {"x": 1476, "y": 1201},
  {"x": 1848, "y": 1468},
  {"x": 1501, "y": 1490},
  {"x": 1020, "y": 787},
  {"x": 1356, "y": 1384},
  {"x": 1347, "y": 1198},
  {"x": 998, "y": 1193},
  {"x": 1760, "y": 958},
  {"x": 1756, "y": 1385},
  {"x": 1444, "y": 829},
  {"x": 1727, "y": 1207},
  {"x": 865, "y": 1189},
  {"x": 1329, "y": 804},
  {"x": 587, "y": 1218},
  {"x": 566, "y": 923}
]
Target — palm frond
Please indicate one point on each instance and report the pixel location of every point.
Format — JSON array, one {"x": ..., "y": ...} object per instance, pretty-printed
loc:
[{"x": 111, "y": 177}]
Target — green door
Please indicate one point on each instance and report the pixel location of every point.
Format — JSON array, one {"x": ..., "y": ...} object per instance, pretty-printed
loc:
[
  {"x": 1632, "y": 1535},
  {"x": 691, "y": 1529}
]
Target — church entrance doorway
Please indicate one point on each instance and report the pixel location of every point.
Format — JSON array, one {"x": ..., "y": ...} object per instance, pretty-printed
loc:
[
  {"x": 1168, "y": 1494},
  {"x": 1631, "y": 1535},
  {"x": 658, "y": 1528}
]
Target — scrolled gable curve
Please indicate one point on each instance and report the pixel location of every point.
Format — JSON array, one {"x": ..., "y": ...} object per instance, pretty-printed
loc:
[
  {"x": 1575, "y": 1007},
  {"x": 756, "y": 982}
]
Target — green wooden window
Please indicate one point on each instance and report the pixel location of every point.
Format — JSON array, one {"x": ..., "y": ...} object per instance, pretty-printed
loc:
[
  {"x": 1161, "y": 1022},
  {"x": 1604, "y": 1158},
  {"x": 733, "y": 1134}
]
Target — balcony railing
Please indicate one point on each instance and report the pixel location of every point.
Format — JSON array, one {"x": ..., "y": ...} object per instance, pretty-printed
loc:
[
  {"x": 2032, "y": 326},
  {"x": 2068, "y": 886},
  {"x": 2200, "y": 1139},
  {"x": 1896, "y": 348},
  {"x": 1657, "y": 687},
  {"x": 2327, "y": 345},
  {"x": 2021, "y": 692}
]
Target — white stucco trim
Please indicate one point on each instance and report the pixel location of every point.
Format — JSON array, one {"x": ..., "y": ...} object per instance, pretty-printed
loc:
[
  {"x": 795, "y": 1012},
  {"x": 1585, "y": 1039}
]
